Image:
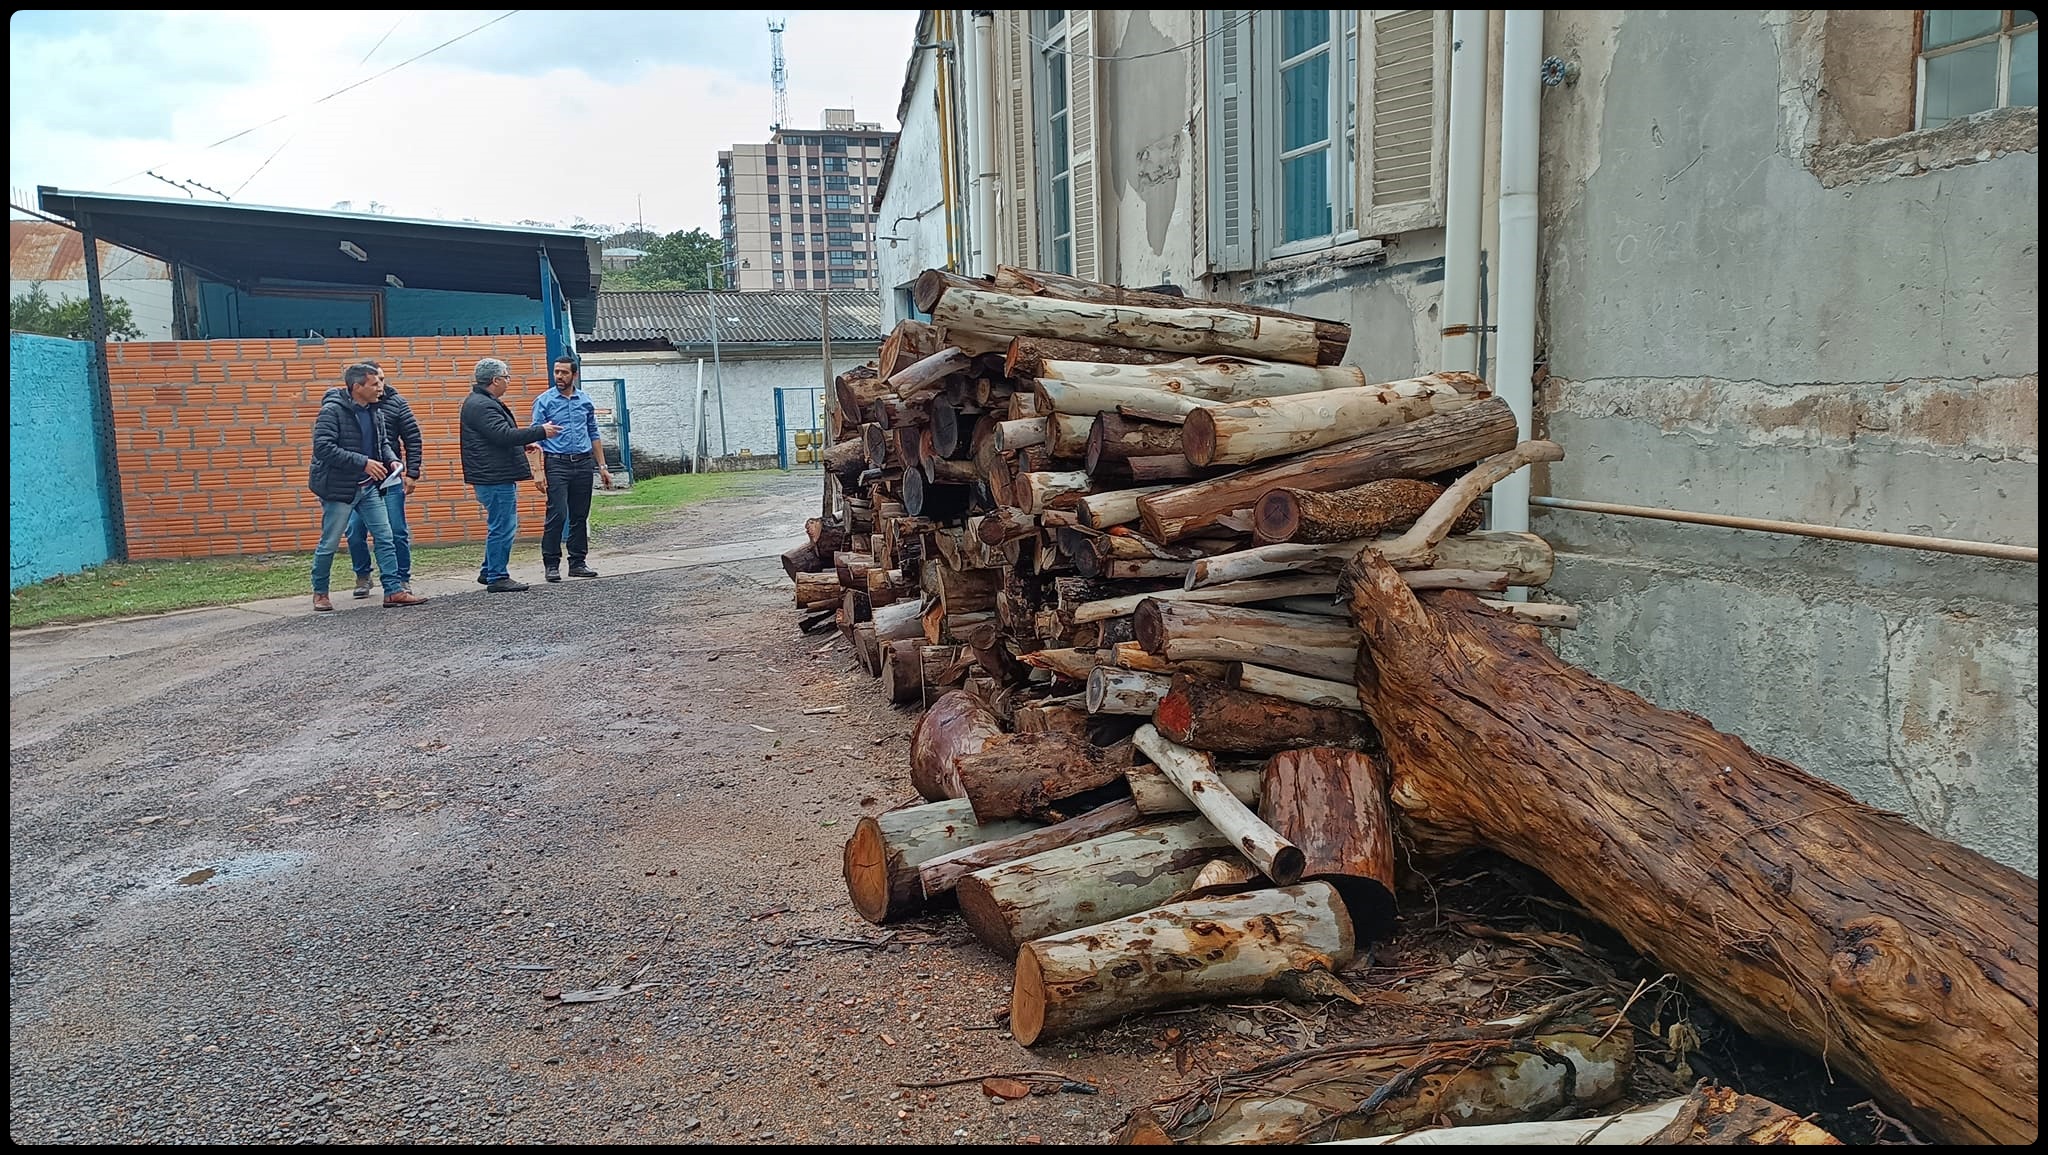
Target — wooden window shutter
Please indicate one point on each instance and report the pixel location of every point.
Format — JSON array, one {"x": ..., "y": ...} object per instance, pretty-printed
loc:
[
  {"x": 1084, "y": 135},
  {"x": 1020, "y": 236},
  {"x": 1229, "y": 90},
  {"x": 1404, "y": 112}
]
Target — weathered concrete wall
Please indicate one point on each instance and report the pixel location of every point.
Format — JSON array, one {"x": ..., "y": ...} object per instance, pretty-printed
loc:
[
  {"x": 661, "y": 393},
  {"x": 57, "y": 509},
  {"x": 1734, "y": 325},
  {"x": 1151, "y": 133}
]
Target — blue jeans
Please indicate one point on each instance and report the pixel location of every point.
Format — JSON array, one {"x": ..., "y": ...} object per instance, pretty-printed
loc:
[
  {"x": 501, "y": 525},
  {"x": 401, "y": 536},
  {"x": 334, "y": 519}
]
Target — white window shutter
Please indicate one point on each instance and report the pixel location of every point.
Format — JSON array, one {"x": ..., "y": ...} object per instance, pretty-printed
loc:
[
  {"x": 1083, "y": 132},
  {"x": 1020, "y": 236},
  {"x": 1404, "y": 112},
  {"x": 1229, "y": 85}
]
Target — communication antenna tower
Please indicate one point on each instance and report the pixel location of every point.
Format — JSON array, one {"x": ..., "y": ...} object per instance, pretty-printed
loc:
[{"x": 781, "y": 74}]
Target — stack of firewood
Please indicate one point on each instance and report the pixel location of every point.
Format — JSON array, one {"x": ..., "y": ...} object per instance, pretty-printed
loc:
[
  {"x": 1099, "y": 531},
  {"x": 1157, "y": 567}
]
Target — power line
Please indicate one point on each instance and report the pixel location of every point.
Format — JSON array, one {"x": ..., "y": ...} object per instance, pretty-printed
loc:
[
  {"x": 295, "y": 132},
  {"x": 338, "y": 91}
]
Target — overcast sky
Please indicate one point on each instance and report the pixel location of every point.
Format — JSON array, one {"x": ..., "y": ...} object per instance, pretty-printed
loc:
[{"x": 544, "y": 115}]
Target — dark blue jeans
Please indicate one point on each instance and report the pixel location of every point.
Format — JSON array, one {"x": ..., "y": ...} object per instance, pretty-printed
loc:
[
  {"x": 401, "y": 536},
  {"x": 334, "y": 518},
  {"x": 569, "y": 477},
  {"x": 501, "y": 525}
]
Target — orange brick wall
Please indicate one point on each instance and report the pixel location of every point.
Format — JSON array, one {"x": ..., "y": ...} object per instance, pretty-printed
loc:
[{"x": 214, "y": 437}]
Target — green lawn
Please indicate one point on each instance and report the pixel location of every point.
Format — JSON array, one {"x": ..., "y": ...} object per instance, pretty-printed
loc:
[{"x": 124, "y": 589}]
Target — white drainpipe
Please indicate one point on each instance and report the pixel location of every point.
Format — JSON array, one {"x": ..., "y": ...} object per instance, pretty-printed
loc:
[
  {"x": 980, "y": 80},
  {"x": 1459, "y": 312},
  {"x": 1521, "y": 94}
]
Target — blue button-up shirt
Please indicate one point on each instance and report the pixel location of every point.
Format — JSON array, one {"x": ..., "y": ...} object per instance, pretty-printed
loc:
[{"x": 577, "y": 416}]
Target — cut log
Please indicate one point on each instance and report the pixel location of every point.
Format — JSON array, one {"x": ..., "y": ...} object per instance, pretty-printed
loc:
[
  {"x": 1021, "y": 434},
  {"x": 1301, "y": 643},
  {"x": 1501, "y": 1071},
  {"x": 1194, "y": 771},
  {"x": 933, "y": 283},
  {"x": 1038, "y": 775},
  {"x": 1208, "y": 715},
  {"x": 1368, "y": 510},
  {"x": 942, "y": 874},
  {"x": 803, "y": 558},
  {"x": 1252, "y": 944},
  {"x": 1241, "y": 432},
  {"x": 897, "y": 621},
  {"x": 1222, "y": 379},
  {"x": 1058, "y": 489},
  {"x": 1422, "y": 448},
  {"x": 1114, "y": 438},
  {"x": 1027, "y": 354},
  {"x": 1189, "y": 331},
  {"x": 885, "y": 851},
  {"x": 1264, "y": 589},
  {"x": 1114, "y": 691},
  {"x": 1152, "y": 792},
  {"x": 816, "y": 590},
  {"x": 1526, "y": 559},
  {"x": 1117, "y": 507},
  {"x": 856, "y": 393},
  {"x": 1072, "y": 664},
  {"x": 1087, "y": 883},
  {"x": 1333, "y": 337},
  {"x": 1332, "y": 803},
  {"x": 1085, "y": 400},
  {"x": 952, "y": 430},
  {"x": 908, "y": 343},
  {"x": 1798, "y": 912},
  {"x": 1153, "y": 470},
  {"x": 846, "y": 460},
  {"x": 924, "y": 380},
  {"x": 1536, "y": 613},
  {"x": 1258, "y": 679},
  {"x": 1006, "y": 524},
  {"x": 1711, "y": 1116},
  {"x": 957, "y": 726},
  {"x": 1132, "y": 656},
  {"x": 913, "y": 670}
]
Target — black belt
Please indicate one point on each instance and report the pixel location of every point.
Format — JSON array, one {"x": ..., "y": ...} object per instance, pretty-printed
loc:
[{"x": 578, "y": 453}]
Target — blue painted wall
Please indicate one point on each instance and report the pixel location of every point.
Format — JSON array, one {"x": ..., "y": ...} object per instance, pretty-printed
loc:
[
  {"x": 57, "y": 516},
  {"x": 227, "y": 312}
]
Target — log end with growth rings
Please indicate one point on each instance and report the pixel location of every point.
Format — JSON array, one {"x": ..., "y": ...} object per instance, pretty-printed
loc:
[
  {"x": 1027, "y": 999},
  {"x": 867, "y": 871},
  {"x": 1277, "y": 517},
  {"x": 1288, "y": 862}
]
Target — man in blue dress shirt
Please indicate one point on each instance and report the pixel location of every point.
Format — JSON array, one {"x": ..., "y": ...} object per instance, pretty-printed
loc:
[{"x": 568, "y": 461}]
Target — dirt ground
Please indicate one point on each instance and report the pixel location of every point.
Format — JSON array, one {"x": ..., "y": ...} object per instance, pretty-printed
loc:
[{"x": 300, "y": 878}]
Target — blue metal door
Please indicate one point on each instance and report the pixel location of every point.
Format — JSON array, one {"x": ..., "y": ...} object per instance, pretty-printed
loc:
[
  {"x": 615, "y": 426},
  {"x": 799, "y": 427}
]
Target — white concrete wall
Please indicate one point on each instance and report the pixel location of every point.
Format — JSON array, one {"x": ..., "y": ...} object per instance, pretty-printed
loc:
[
  {"x": 914, "y": 187},
  {"x": 661, "y": 395},
  {"x": 150, "y": 301}
]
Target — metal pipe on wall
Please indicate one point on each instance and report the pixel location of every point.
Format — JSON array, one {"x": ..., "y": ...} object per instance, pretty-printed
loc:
[
  {"x": 1521, "y": 123},
  {"x": 2026, "y": 553},
  {"x": 1466, "y": 172},
  {"x": 981, "y": 220}
]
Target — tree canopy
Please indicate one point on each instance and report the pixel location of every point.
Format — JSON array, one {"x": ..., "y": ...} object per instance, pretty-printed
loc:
[
  {"x": 69, "y": 317},
  {"x": 680, "y": 260}
]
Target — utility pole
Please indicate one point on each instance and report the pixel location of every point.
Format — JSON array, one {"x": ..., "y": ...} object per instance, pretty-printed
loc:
[{"x": 717, "y": 366}]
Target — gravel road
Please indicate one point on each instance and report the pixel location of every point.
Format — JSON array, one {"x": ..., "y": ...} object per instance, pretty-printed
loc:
[{"x": 319, "y": 879}]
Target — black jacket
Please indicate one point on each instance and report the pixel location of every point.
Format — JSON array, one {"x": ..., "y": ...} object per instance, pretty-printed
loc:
[
  {"x": 493, "y": 445},
  {"x": 337, "y": 469},
  {"x": 400, "y": 426}
]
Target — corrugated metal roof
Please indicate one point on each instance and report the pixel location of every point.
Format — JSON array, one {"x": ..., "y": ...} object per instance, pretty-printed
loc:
[
  {"x": 755, "y": 317},
  {"x": 46, "y": 251}
]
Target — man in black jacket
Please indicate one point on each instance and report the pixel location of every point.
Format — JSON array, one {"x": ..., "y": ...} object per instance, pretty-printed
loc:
[
  {"x": 493, "y": 464},
  {"x": 404, "y": 429},
  {"x": 352, "y": 457}
]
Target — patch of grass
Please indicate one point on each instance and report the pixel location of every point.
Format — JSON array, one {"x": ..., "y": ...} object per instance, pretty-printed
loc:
[
  {"x": 127, "y": 589},
  {"x": 654, "y": 496}
]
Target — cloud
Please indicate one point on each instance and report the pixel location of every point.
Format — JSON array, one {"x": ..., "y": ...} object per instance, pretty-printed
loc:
[{"x": 544, "y": 116}]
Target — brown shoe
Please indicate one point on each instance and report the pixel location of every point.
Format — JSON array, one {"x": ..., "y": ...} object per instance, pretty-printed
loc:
[
  {"x": 322, "y": 604},
  {"x": 404, "y": 598}
]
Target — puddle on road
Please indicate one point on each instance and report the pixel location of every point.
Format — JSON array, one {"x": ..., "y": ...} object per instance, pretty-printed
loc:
[{"x": 244, "y": 867}]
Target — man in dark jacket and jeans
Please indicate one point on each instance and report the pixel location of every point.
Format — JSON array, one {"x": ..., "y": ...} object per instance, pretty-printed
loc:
[
  {"x": 493, "y": 464},
  {"x": 352, "y": 456},
  {"x": 404, "y": 429}
]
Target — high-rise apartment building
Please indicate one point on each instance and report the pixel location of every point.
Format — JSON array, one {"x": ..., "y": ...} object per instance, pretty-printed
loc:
[{"x": 798, "y": 212}]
